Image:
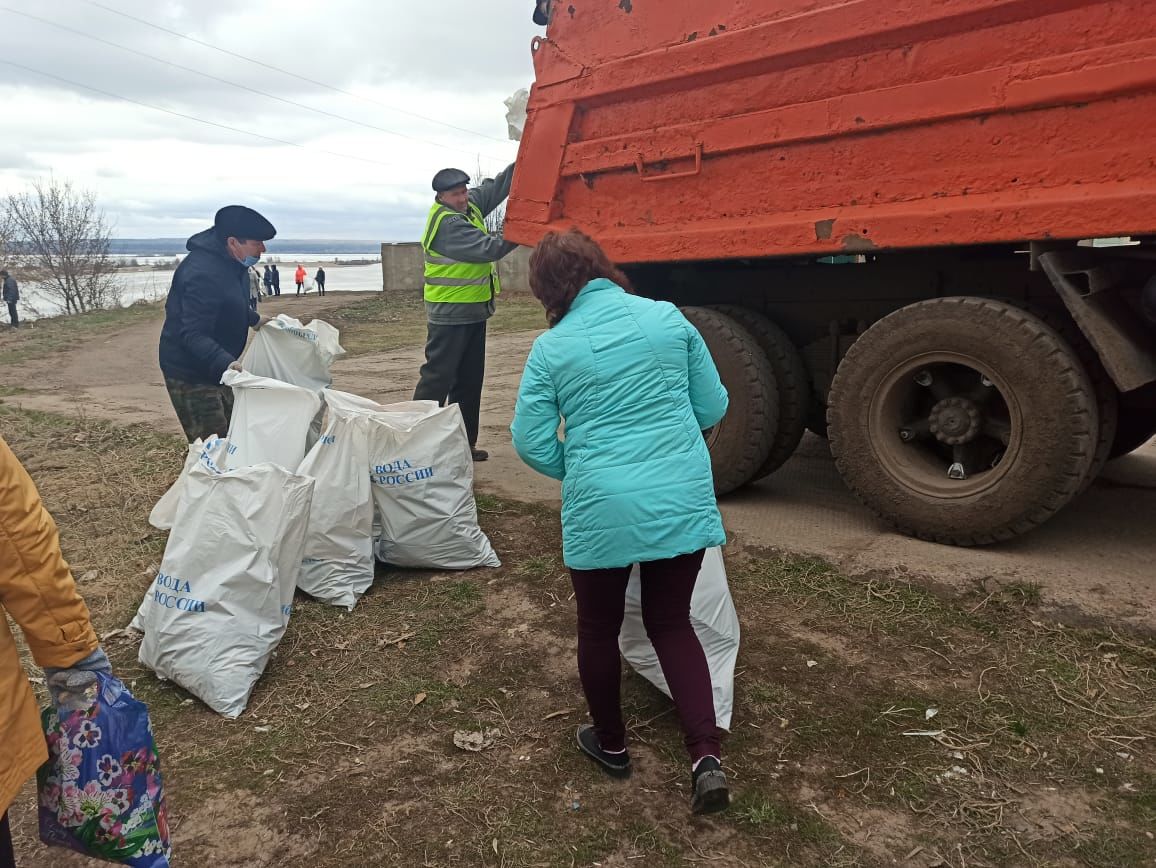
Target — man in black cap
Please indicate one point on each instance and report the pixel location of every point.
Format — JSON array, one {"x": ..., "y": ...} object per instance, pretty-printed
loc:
[
  {"x": 461, "y": 282},
  {"x": 207, "y": 318}
]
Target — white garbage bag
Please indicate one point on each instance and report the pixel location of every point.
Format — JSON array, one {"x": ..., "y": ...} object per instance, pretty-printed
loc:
[
  {"x": 516, "y": 113},
  {"x": 270, "y": 422},
  {"x": 286, "y": 350},
  {"x": 347, "y": 402},
  {"x": 337, "y": 567},
  {"x": 712, "y": 612},
  {"x": 210, "y": 453},
  {"x": 422, "y": 474},
  {"x": 221, "y": 601}
]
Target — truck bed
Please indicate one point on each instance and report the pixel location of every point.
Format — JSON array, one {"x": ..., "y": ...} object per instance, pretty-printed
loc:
[{"x": 673, "y": 130}]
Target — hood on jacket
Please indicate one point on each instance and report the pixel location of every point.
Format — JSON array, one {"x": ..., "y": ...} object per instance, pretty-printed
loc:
[{"x": 209, "y": 242}]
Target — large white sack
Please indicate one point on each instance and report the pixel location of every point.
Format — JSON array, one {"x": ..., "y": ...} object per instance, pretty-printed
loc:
[
  {"x": 210, "y": 453},
  {"x": 347, "y": 402},
  {"x": 221, "y": 601},
  {"x": 712, "y": 612},
  {"x": 284, "y": 349},
  {"x": 270, "y": 422},
  {"x": 337, "y": 566},
  {"x": 422, "y": 473}
]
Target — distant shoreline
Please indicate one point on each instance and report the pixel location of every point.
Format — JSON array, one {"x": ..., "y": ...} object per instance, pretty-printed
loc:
[{"x": 281, "y": 263}]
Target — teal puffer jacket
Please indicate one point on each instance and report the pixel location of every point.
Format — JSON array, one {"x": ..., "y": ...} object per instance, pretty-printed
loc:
[{"x": 635, "y": 386}]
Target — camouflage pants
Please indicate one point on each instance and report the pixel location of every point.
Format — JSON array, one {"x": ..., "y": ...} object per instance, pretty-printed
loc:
[{"x": 203, "y": 410}]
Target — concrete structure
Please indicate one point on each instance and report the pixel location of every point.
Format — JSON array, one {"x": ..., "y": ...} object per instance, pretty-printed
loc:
[{"x": 402, "y": 268}]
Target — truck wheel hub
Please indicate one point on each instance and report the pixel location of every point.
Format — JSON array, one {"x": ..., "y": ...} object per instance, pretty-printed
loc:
[{"x": 955, "y": 421}]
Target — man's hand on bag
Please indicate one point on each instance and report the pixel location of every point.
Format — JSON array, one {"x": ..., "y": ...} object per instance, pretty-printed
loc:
[
  {"x": 74, "y": 688},
  {"x": 261, "y": 321},
  {"x": 235, "y": 366}
]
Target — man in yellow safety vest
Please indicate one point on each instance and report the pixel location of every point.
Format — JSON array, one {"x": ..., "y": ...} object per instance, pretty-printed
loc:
[{"x": 461, "y": 283}]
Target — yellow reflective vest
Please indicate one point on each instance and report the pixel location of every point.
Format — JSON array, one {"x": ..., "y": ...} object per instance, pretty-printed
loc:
[{"x": 447, "y": 280}]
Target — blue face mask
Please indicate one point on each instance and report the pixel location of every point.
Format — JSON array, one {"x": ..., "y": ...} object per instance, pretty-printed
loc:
[{"x": 250, "y": 261}]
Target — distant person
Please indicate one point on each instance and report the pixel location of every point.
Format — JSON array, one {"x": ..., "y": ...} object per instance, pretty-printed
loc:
[
  {"x": 38, "y": 593},
  {"x": 299, "y": 276},
  {"x": 636, "y": 386},
  {"x": 276, "y": 280},
  {"x": 542, "y": 10},
  {"x": 461, "y": 283},
  {"x": 11, "y": 294},
  {"x": 320, "y": 278},
  {"x": 254, "y": 287},
  {"x": 208, "y": 316},
  {"x": 267, "y": 279}
]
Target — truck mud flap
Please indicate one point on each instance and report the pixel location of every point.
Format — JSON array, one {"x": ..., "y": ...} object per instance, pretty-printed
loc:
[{"x": 1126, "y": 348}]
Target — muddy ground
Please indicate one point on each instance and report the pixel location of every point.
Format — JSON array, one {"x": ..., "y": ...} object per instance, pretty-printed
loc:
[
  {"x": 1093, "y": 560},
  {"x": 884, "y": 715}
]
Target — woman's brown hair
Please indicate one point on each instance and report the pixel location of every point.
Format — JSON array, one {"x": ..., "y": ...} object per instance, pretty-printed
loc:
[{"x": 563, "y": 263}]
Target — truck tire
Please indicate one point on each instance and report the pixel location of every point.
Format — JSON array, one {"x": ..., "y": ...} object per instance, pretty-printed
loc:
[
  {"x": 740, "y": 443},
  {"x": 1107, "y": 396},
  {"x": 962, "y": 420},
  {"x": 791, "y": 378}
]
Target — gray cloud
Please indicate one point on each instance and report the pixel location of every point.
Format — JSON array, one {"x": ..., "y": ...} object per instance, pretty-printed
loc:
[{"x": 156, "y": 173}]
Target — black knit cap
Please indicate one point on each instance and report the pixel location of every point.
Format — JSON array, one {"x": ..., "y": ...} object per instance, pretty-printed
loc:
[
  {"x": 237, "y": 221},
  {"x": 447, "y": 179}
]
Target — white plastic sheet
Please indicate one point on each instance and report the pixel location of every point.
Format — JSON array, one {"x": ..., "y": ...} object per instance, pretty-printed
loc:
[
  {"x": 222, "y": 599},
  {"x": 338, "y": 560},
  {"x": 712, "y": 612},
  {"x": 422, "y": 473},
  {"x": 516, "y": 113},
  {"x": 286, "y": 350},
  {"x": 271, "y": 421}
]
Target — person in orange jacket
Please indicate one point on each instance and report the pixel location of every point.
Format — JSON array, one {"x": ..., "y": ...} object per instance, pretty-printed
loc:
[
  {"x": 299, "y": 276},
  {"x": 38, "y": 592}
]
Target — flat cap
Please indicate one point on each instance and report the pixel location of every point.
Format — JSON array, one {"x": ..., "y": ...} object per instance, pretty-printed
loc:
[
  {"x": 541, "y": 17},
  {"x": 447, "y": 179},
  {"x": 237, "y": 221}
]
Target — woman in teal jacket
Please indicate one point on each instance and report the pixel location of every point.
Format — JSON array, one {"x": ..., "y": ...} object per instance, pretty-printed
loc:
[{"x": 635, "y": 386}]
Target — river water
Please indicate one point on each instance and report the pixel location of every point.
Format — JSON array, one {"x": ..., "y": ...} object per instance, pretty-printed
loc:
[{"x": 153, "y": 285}]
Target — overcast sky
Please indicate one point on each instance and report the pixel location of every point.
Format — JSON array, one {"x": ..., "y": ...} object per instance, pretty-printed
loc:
[{"x": 156, "y": 174}]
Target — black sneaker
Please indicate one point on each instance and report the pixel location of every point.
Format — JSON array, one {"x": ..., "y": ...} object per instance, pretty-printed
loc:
[
  {"x": 709, "y": 783},
  {"x": 480, "y": 454},
  {"x": 617, "y": 765}
]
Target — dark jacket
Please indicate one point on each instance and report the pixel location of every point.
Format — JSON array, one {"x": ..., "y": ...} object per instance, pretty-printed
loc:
[
  {"x": 276, "y": 277},
  {"x": 320, "y": 278},
  {"x": 267, "y": 278},
  {"x": 207, "y": 315},
  {"x": 11, "y": 290}
]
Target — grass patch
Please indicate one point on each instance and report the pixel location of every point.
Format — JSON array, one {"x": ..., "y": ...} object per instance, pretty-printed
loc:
[
  {"x": 963, "y": 725},
  {"x": 39, "y": 338},
  {"x": 391, "y": 320}
]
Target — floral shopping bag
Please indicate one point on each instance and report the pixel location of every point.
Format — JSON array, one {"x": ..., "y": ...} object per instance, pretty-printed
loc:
[{"x": 100, "y": 792}]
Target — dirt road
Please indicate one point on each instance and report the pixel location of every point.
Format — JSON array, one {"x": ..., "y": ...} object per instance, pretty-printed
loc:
[{"x": 1093, "y": 560}]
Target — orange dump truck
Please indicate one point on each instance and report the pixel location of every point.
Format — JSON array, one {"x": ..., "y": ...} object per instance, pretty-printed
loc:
[{"x": 926, "y": 230}]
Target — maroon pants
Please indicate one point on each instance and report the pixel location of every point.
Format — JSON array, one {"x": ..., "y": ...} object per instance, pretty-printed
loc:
[{"x": 667, "y": 586}]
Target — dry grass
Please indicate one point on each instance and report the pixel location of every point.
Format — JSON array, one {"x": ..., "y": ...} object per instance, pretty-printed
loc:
[
  {"x": 36, "y": 339},
  {"x": 1040, "y": 751},
  {"x": 387, "y": 321}
]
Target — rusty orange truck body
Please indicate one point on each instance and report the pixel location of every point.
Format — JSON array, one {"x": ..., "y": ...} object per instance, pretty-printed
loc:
[{"x": 896, "y": 210}]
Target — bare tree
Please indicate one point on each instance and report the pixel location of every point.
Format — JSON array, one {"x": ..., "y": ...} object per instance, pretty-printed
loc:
[
  {"x": 60, "y": 239},
  {"x": 496, "y": 219}
]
